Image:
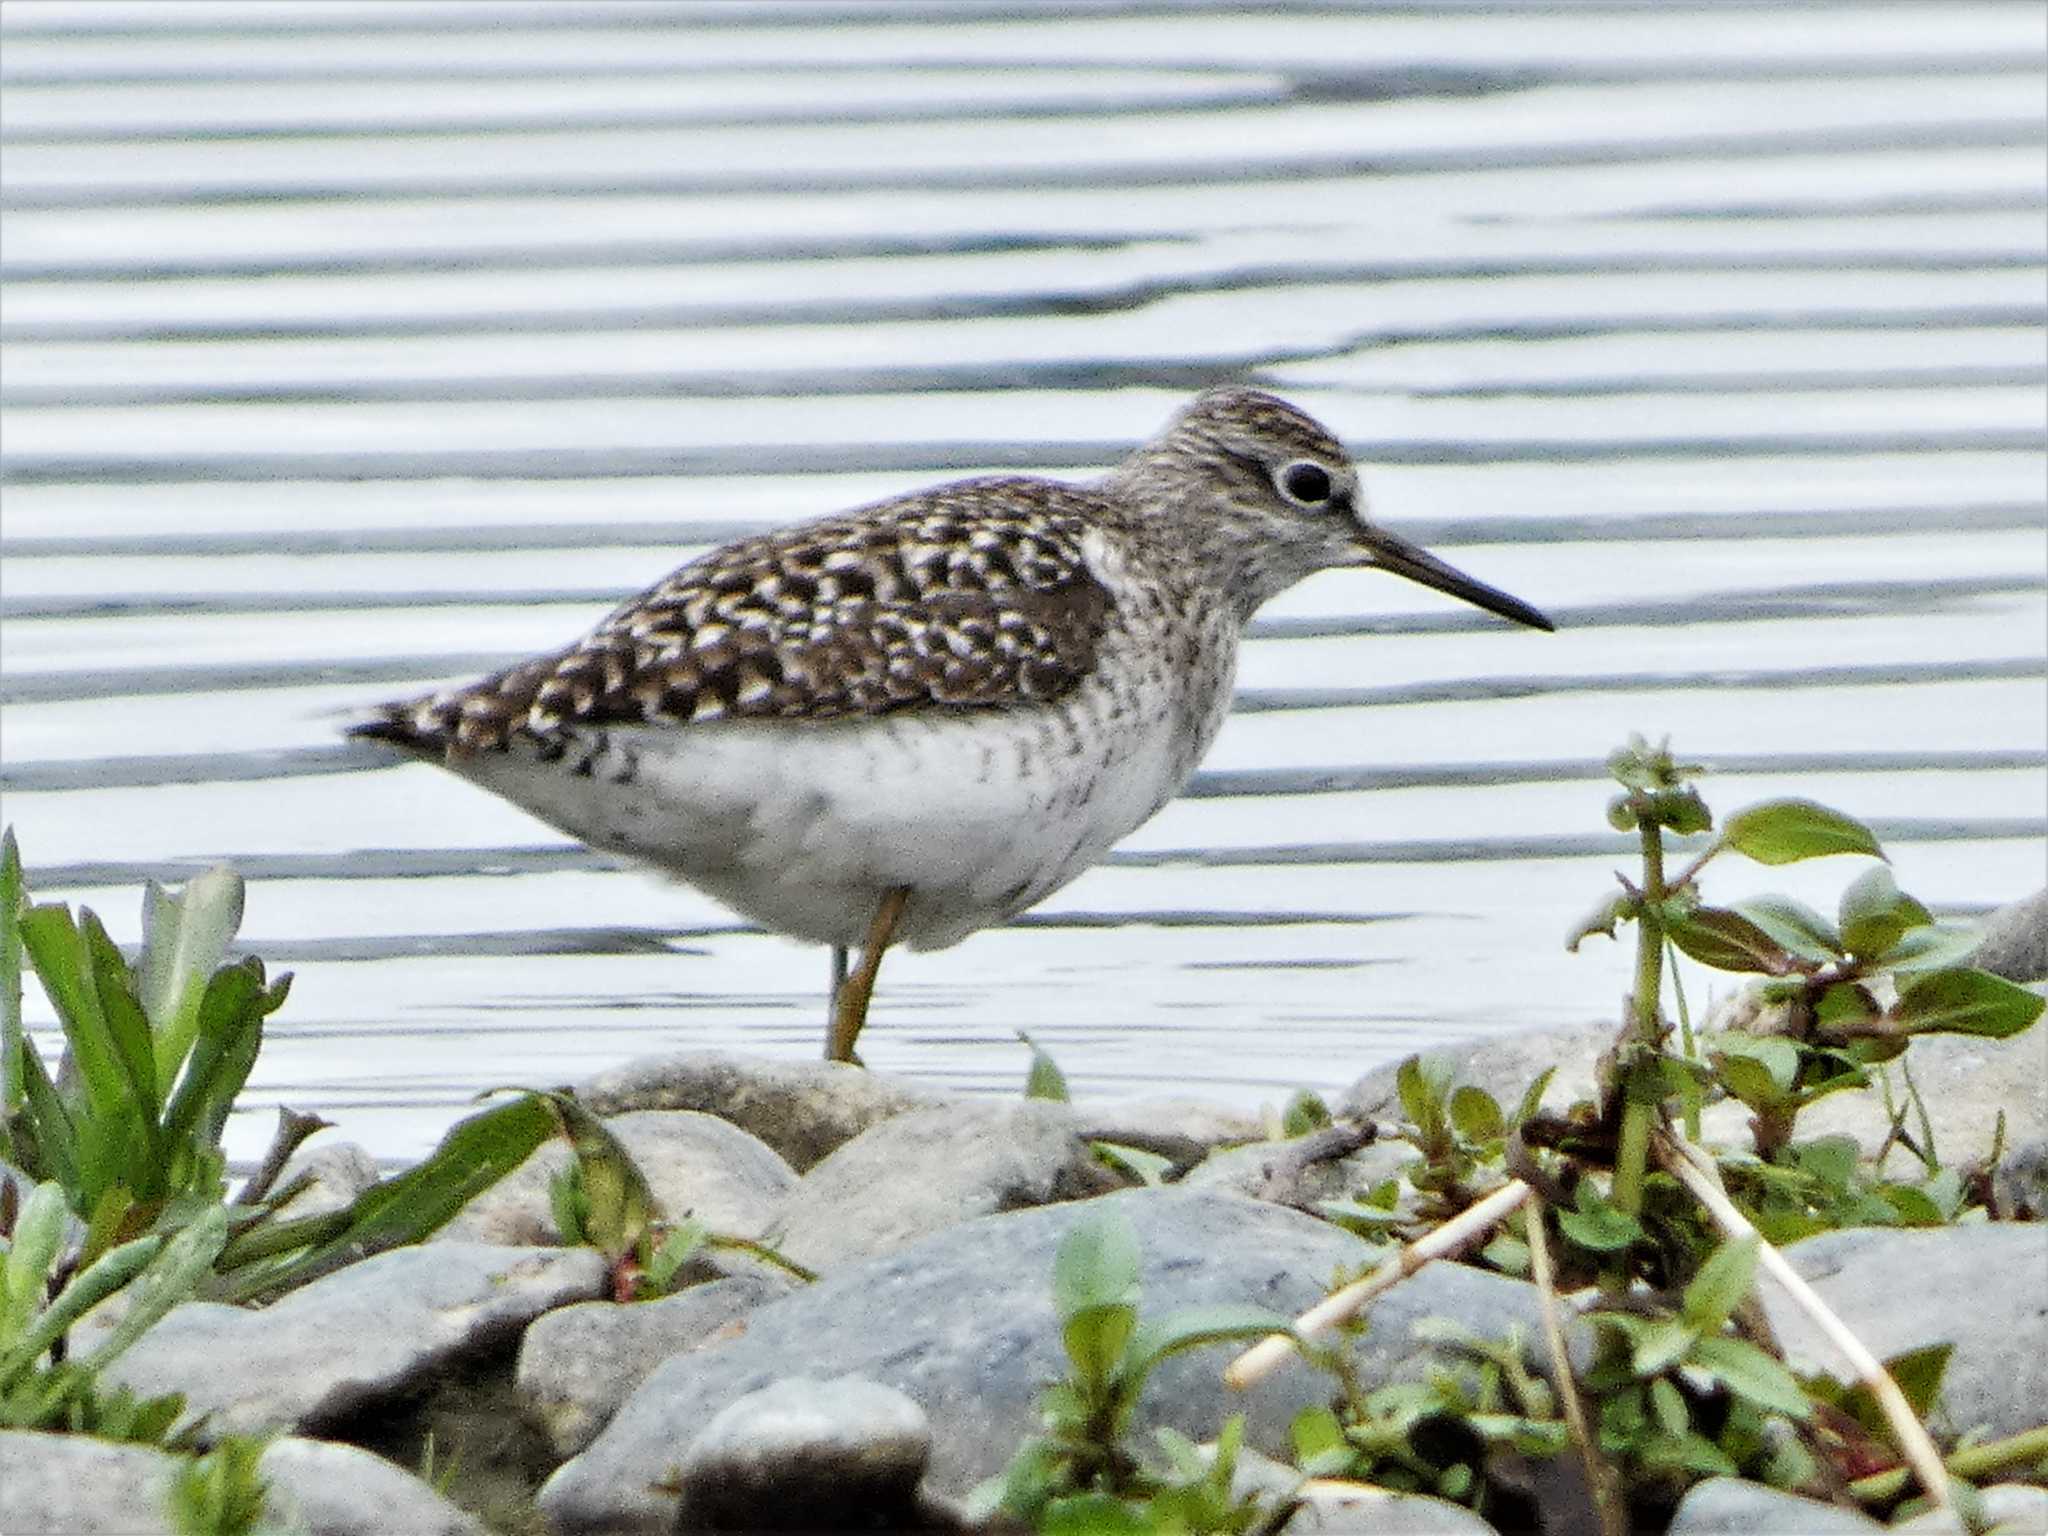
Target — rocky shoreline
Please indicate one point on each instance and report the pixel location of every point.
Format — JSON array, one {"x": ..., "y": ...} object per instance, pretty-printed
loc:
[{"x": 911, "y": 1368}]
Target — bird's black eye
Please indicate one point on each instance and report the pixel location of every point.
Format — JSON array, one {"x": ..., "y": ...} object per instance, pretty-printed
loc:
[{"x": 1306, "y": 483}]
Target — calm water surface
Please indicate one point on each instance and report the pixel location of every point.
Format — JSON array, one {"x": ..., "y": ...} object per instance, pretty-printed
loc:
[{"x": 354, "y": 347}]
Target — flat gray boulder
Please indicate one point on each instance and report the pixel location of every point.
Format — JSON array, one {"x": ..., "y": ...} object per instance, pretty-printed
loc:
[
  {"x": 82, "y": 1486},
  {"x": 1982, "y": 1287},
  {"x": 803, "y": 1109},
  {"x": 807, "y": 1456},
  {"x": 363, "y": 1334},
  {"x": 962, "y": 1324},
  {"x": 578, "y": 1363},
  {"x": 932, "y": 1168},
  {"x": 1728, "y": 1506}
]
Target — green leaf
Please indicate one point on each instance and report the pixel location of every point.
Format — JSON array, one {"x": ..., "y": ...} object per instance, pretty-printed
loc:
[
  {"x": 1845, "y": 1007},
  {"x": 1318, "y": 1432},
  {"x": 1966, "y": 1002},
  {"x": 1660, "y": 1345},
  {"x": 1830, "y": 1159},
  {"x": 1423, "y": 1086},
  {"x": 1914, "y": 1206},
  {"x": 618, "y": 1207},
  {"x": 1305, "y": 1112},
  {"x": 13, "y": 896},
  {"x": 1476, "y": 1115},
  {"x": 1794, "y": 925},
  {"x": 1044, "y": 1080},
  {"x": 106, "y": 1275},
  {"x": 57, "y": 950},
  {"x": 1918, "y": 1373},
  {"x": 1728, "y": 941},
  {"x": 1097, "y": 1264},
  {"x": 684, "y": 1240},
  {"x": 1095, "y": 1338},
  {"x": 1717, "y": 1290},
  {"x": 1685, "y": 1453},
  {"x": 472, "y": 1156},
  {"x": 1931, "y": 948},
  {"x": 229, "y": 1031},
  {"x": 27, "y": 1266},
  {"x": 1749, "y": 1373},
  {"x": 1785, "y": 831},
  {"x": 1598, "y": 1225},
  {"x": 47, "y": 1121},
  {"x": 1532, "y": 1096},
  {"x": 1682, "y": 810},
  {"x": 1148, "y": 1168},
  {"x": 1093, "y": 1514},
  {"x": 1779, "y": 1059},
  {"x": 1875, "y": 914},
  {"x": 170, "y": 1277},
  {"x": 1667, "y": 1407},
  {"x": 1616, "y": 909},
  {"x": 1193, "y": 1327},
  {"x": 184, "y": 940}
]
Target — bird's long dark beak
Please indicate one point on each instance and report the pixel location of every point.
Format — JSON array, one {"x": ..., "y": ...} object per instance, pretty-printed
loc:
[{"x": 1391, "y": 553}]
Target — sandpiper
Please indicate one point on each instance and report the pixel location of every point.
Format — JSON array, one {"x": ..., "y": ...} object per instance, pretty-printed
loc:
[{"x": 907, "y": 722}]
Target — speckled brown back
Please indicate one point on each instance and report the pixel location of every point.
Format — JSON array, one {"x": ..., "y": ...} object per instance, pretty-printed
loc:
[{"x": 973, "y": 594}]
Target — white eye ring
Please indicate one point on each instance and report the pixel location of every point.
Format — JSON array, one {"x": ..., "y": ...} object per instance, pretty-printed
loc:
[{"x": 1305, "y": 483}]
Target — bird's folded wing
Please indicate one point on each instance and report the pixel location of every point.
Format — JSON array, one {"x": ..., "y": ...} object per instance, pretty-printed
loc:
[{"x": 973, "y": 595}]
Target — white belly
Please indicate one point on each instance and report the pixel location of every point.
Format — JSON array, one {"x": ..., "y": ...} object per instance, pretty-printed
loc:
[{"x": 804, "y": 825}]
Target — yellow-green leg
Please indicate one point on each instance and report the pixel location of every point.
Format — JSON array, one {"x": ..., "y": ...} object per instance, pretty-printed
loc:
[{"x": 850, "y": 993}]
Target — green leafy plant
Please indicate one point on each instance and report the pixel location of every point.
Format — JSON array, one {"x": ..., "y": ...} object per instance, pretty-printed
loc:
[
  {"x": 1437, "y": 1436},
  {"x": 1082, "y": 1474},
  {"x": 42, "y": 1296},
  {"x": 222, "y": 1492},
  {"x": 601, "y": 1199},
  {"x": 1685, "y": 1379},
  {"x": 154, "y": 1052}
]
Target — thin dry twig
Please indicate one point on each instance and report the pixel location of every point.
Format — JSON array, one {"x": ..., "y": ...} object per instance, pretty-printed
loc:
[
  {"x": 1600, "y": 1478},
  {"x": 1264, "y": 1357},
  {"x": 1688, "y": 1164}
]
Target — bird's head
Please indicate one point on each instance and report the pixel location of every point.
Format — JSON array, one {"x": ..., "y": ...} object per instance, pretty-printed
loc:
[{"x": 1270, "y": 496}]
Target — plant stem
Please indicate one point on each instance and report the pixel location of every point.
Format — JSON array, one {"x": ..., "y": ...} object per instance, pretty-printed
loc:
[
  {"x": 1971, "y": 1462},
  {"x": 1650, "y": 937},
  {"x": 1264, "y": 1357},
  {"x": 1600, "y": 1479}
]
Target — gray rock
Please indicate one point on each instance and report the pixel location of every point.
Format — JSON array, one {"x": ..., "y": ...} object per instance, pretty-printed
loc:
[
  {"x": 1504, "y": 1065},
  {"x": 1185, "y": 1130},
  {"x": 803, "y": 1109},
  {"x": 1983, "y": 1288},
  {"x": 335, "y": 1175},
  {"x": 2014, "y": 942},
  {"x": 1329, "y": 1509},
  {"x": 339, "y": 1490},
  {"x": 2015, "y": 1509},
  {"x": 1273, "y": 1170},
  {"x": 2019, "y": 1184},
  {"x": 1728, "y": 1506},
  {"x": 797, "y": 1454},
  {"x": 361, "y": 1335},
  {"x": 577, "y": 1364},
  {"x": 696, "y": 1165},
  {"x": 86, "y": 1487},
  {"x": 931, "y": 1168},
  {"x": 962, "y": 1323}
]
